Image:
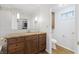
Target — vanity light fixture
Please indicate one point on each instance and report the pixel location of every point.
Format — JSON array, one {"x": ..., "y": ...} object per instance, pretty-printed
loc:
[
  {"x": 36, "y": 19},
  {"x": 18, "y": 16}
]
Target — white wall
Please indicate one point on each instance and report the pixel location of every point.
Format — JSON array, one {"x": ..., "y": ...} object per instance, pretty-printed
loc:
[
  {"x": 6, "y": 24},
  {"x": 77, "y": 26},
  {"x": 65, "y": 29}
]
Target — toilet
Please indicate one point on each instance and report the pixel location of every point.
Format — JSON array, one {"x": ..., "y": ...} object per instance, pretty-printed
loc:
[{"x": 54, "y": 41}]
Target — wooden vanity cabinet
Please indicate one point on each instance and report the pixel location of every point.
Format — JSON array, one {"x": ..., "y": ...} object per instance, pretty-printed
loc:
[
  {"x": 15, "y": 45},
  {"x": 29, "y": 44}
]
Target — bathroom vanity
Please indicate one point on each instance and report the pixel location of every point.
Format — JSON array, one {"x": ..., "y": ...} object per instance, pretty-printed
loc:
[{"x": 25, "y": 43}]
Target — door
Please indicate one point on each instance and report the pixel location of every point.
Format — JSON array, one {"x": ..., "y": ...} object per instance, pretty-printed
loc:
[
  {"x": 53, "y": 20},
  {"x": 65, "y": 29}
]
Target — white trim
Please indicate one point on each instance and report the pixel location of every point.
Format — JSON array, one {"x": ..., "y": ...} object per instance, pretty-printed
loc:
[{"x": 49, "y": 52}]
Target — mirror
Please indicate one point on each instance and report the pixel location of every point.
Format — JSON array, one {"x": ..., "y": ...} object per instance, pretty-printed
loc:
[{"x": 22, "y": 23}]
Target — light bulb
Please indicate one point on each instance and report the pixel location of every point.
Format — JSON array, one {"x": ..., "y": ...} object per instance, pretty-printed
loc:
[
  {"x": 18, "y": 16},
  {"x": 36, "y": 19}
]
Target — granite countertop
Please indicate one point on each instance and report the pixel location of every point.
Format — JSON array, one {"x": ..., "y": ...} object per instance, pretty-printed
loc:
[{"x": 21, "y": 34}]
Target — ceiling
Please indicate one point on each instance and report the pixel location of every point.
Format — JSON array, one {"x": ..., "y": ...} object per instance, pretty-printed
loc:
[
  {"x": 27, "y": 8},
  {"x": 30, "y": 8}
]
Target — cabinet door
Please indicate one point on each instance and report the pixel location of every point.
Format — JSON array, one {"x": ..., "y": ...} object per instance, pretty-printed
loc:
[
  {"x": 20, "y": 48},
  {"x": 11, "y": 48},
  {"x": 31, "y": 44},
  {"x": 41, "y": 42}
]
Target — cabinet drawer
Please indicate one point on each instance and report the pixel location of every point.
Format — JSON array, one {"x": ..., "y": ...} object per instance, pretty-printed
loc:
[
  {"x": 12, "y": 46},
  {"x": 20, "y": 49},
  {"x": 15, "y": 51},
  {"x": 12, "y": 51},
  {"x": 20, "y": 39},
  {"x": 16, "y": 45},
  {"x": 42, "y": 35},
  {"x": 11, "y": 40},
  {"x": 20, "y": 44},
  {"x": 31, "y": 37},
  {"x": 15, "y": 40}
]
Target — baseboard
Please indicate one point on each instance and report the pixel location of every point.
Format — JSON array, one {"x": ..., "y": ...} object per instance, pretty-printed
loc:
[
  {"x": 49, "y": 52},
  {"x": 65, "y": 47}
]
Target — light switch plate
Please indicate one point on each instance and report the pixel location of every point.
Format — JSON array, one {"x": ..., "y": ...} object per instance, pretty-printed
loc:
[{"x": 78, "y": 43}]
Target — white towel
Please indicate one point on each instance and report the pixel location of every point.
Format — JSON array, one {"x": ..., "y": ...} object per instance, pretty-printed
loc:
[{"x": 2, "y": 44}]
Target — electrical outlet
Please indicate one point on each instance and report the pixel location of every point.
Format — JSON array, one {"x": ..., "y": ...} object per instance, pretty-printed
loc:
[
  {"x": 73, "y": 33},
  {"x": 63, "y": 36}
]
